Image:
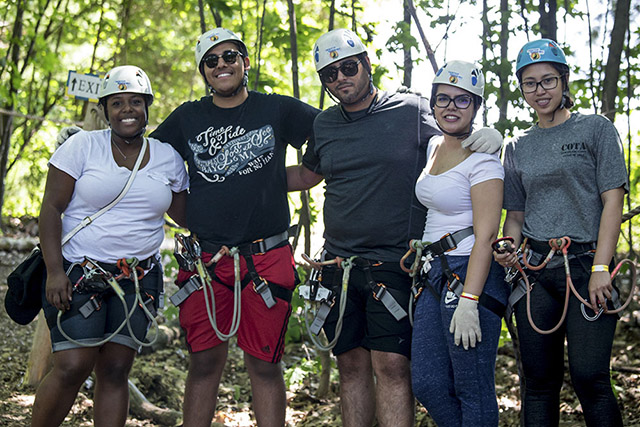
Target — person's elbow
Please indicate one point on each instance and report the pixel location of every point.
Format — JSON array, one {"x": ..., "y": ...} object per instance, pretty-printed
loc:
[{"x": 178, "y": 209}]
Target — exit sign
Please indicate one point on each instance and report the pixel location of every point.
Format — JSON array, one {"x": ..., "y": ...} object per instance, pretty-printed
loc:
[{"x": 83, "y": 86}]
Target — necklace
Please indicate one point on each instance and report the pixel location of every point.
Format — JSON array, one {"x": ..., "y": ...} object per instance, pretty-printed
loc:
[{"x": 119, "y": 150}]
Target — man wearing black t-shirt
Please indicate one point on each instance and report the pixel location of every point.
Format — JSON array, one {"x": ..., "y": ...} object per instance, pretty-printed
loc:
[
  {"x": 370, "y": 149},
  {"x": 234, "y": 143}
]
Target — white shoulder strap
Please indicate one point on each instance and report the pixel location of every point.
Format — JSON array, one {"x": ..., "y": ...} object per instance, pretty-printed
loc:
[{"x": 88, "y": 220}]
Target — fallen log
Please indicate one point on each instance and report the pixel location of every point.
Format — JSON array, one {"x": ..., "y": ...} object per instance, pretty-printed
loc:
[
  {"x": 24, "y": 244},
  {"x": 140, "y": 407}
]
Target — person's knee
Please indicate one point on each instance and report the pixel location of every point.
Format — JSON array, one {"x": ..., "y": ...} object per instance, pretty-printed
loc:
[
  {"x": 391, "y": 367},
  {"x": 208, "y": 363},
  {"x": 72, "y": 372},
  {"x": 588, "y": 382},
  {"x": 261, "y": 369}
]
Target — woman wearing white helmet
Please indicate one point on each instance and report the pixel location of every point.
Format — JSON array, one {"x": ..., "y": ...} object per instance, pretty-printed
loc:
[
  {"x": 565, "y": 180},
  {"x": 94, "y": 327},
  {"x": 458, "y": 315}
]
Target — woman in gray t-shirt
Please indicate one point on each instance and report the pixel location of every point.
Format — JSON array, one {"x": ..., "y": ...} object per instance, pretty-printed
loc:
[{"x": 565, "y": 177}]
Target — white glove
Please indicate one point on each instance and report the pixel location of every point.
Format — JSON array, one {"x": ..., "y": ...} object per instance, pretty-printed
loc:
[
  {"x": 65, "y": 133},
  {"x": 484, "y": 140},
  {"x": 465, "y": 323}
]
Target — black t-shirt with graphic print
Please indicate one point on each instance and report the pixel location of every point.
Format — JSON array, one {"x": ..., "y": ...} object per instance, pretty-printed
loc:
[{"x": 236, "y": 162}]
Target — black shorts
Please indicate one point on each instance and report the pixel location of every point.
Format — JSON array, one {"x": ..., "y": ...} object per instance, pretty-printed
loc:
[
  {"x": 367, "y": 323},
  {"x": 103, "y": 322}
]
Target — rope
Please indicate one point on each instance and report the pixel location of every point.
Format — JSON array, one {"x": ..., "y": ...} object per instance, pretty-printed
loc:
[
  {"x": 346, "y": 266},
  {"x": 633, "y": 212}
]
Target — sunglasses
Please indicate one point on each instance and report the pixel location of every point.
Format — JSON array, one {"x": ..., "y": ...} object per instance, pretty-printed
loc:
[
  {"x": 461, "y": 101},
  {"x": 229, "y": 56},
  {"x": 347, "y": 68}
]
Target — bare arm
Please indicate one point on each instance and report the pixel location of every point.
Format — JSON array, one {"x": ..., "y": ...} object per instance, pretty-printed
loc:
[
  {"x": 610, "y": 220},
  {"x": 301, "y": 178},
  {"x": 486, "y": 201},
  {"x": 57, "y": 195},
  {"x": 178, "y": 209}
]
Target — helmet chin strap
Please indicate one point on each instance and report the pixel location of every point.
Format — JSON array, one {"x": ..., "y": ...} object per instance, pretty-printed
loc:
[
  {"x": 559, "y": 107},
  {"x": 459, "y": 135}
]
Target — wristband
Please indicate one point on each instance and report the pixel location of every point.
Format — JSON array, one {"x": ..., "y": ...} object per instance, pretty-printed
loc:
[
  {"x": 467, "y": 295},
  {"x": 599, "y": 267}
]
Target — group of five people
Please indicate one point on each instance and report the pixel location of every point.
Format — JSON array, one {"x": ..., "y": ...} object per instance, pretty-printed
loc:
[{"x": 389, "y": 160}]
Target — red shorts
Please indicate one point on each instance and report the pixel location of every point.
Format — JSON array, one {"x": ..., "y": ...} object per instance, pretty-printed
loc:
[{"x": 262, "y": 330}]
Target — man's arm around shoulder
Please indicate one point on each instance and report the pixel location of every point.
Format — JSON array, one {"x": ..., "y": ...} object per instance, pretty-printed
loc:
[{"x": 299, "y": 177}]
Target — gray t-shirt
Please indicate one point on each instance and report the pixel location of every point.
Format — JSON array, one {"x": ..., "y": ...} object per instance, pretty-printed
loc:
[
  {"x": 370, "y": 161},
  {"x": 556, "y": 176}
]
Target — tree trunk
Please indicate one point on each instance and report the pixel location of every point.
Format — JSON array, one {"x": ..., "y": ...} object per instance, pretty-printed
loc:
[
  {"x": 612, "y": 69},
  {"x": 408, "y": 62},
  {"x": 504, "y": 69},
  {"x": 430, "y": 54},
  {"x": 39, "y": 361},
  {"x": 6, "y": 123},
  {"x": 548, "y": 22}
]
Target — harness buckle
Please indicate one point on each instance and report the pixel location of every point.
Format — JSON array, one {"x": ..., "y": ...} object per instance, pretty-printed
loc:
[
  {"x": 262, "y": 288},
  {"x": 262, "y": 246},
  {"x": 192, "y": 285},
  {"x": 384, "y": 296},
  {"x": 450, "y": 241},
  {"x": 93, "y": 304},
  {"x": 455, "y": 285}
]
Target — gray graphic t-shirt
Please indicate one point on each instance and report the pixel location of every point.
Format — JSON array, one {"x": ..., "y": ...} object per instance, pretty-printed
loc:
[{"x": 556, "y": 175}]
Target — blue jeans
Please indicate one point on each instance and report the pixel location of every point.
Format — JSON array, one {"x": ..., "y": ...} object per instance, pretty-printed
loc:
[{"x": 455, "y": 385}]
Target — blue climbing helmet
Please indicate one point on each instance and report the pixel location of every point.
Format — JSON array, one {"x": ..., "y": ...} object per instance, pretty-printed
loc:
[{"x": 543, "y": 50}]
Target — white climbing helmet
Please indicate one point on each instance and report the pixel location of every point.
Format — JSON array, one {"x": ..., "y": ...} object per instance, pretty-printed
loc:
[
  {"x": 335, "y": 46},
  {"x": 126, "y": 79},
  {"x": 462, "y": 74},
  {"x": 214, "y": 37}
]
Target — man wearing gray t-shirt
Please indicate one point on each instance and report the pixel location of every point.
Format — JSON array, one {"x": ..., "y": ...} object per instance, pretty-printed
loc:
[{"x": 370, "y": 149}]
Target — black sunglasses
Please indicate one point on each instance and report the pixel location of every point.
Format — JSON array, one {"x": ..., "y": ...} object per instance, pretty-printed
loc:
[
  {"x": 229, "y": 56},
  {"x": 347, "y": 68}
]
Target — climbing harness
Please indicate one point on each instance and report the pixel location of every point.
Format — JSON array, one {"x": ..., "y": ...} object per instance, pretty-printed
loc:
[
  {"x": 425, "y": 252},
  {"x": 559, "y": 246},
  {"x": 96, "y": 279},
  {"x": 314, "y": 293},
  {"x": 188, "y": 253}
]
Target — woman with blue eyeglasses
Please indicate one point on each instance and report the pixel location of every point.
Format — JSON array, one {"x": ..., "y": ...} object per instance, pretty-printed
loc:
[
  {"x": 565, "y": 179},
  {"x": 457, "y": 319}
]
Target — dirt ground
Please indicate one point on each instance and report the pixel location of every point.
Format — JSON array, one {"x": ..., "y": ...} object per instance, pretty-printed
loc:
[{"x": 161, "y": 376}]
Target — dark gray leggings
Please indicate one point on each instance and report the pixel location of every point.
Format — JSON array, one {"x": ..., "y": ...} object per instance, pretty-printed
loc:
[{"x": 589, "y": 350}]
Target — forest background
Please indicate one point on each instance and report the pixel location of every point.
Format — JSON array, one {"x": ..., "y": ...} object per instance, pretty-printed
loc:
[{"x": 42, "y": 40}]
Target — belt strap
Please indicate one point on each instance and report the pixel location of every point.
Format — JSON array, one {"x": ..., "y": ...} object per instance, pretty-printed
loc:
[
  {"x": 574, "y": 248},
  {"x": 190, "y": 286},
  {"x": 449, "y": 241},
  {"x": 257, "y": 247}
]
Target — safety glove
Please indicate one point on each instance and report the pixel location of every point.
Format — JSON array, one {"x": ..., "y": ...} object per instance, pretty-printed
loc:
[
  {"x": 65, "y": 133},
  {"x": 465, "y": 323},
  {"x": 484, "y": 140}
]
